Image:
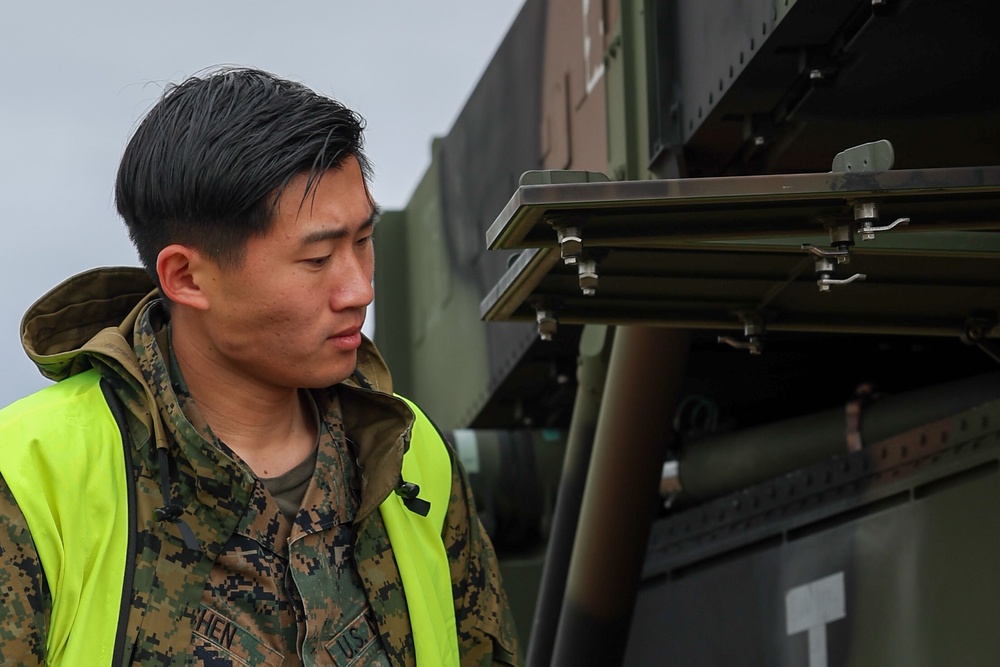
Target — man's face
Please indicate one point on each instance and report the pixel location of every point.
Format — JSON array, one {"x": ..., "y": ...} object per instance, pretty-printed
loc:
[{"x": 291, "y": 314}]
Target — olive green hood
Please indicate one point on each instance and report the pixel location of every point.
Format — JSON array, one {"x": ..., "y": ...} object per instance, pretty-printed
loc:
[{"x": 90, "y": 314}]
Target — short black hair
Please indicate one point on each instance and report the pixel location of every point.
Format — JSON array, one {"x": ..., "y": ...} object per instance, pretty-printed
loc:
[{"x": 207, "y": 164}]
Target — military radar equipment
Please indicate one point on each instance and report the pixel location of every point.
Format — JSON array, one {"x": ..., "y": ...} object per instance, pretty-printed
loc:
[{"x": 676, "y": 285}]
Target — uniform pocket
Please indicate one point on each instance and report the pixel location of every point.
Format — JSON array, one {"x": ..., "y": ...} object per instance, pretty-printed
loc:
[
  {"x": 219, "y": 642},
  {"x": 357, "y": 645}
]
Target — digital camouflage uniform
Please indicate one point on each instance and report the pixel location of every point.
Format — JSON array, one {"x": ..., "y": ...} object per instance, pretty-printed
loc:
[{"x": 257, "y": 590}]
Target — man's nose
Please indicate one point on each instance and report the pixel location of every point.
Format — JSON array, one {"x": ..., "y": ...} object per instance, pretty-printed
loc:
[{"x": 354, "y": 289}]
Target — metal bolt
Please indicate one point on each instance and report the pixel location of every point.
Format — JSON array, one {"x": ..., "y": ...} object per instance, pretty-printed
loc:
[
  {"x": 570, "y": 244},
  {"x": 587, "y": 271},
  {"x": 824, "y": 267},
  {"x": 867, "y": 210},
  {"x": 752, "y": 327},
  {"x": 670, "y": 481},
  {"x": 759, "y": 140},
  {"x": 841, "y": 235},
  {"x": 547, "y": 324},
  {"x": 816, "y": 75}
]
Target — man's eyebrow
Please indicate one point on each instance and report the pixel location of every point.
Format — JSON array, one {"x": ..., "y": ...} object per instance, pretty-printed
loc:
[{"x": 328, "y": 234}]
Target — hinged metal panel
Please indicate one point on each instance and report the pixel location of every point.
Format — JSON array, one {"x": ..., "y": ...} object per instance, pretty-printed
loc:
[{"x": 708, "y": 252}]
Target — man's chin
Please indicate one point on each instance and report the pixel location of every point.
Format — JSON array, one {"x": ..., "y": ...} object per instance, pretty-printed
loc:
[{"x": 333, "y": 376}]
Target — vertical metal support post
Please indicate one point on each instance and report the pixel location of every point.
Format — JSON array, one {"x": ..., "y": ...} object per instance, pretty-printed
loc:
[
  {"x": 619, "y": 503},
  {"x": 592, "y": 370}
]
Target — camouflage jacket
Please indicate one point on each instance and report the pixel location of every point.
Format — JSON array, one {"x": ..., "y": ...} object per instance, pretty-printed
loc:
[{"x": 254, "y": 589}]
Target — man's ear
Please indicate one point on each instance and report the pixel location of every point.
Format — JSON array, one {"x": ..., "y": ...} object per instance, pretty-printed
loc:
[{"x": 182, "y": 270}]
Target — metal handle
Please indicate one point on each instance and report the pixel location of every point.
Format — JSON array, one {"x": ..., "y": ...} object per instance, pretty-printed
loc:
[
  {"x": 842, "y": 255},
  {"x": 754, "y": 344},
  {"x": 825, "y": 282},
  {"x": 868, "y": 230}
]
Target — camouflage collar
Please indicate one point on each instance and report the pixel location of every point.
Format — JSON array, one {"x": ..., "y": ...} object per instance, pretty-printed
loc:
[
  {"x": 377, "y": 425},
  {"x": 205, "y": 480}
]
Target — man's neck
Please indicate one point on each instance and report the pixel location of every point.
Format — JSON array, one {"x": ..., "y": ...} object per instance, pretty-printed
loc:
[{"x": 271, "y": 428}]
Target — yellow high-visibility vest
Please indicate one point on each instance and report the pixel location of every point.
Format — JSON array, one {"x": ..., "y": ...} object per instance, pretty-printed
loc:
[
  {"x": 63, "y": 455},
  {"x": 418, "y": 547}
]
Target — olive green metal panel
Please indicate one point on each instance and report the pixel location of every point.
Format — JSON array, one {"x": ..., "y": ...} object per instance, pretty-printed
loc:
[
  {"x": 920, "y": 588},
  {"x": 426, "y": 318},
  {"x": 653, "y": 213},
  {"x": 768, "y": 86},
  {"x": 627, "y": 88},
  {"x": 882, "y": 557},
  {"x": 392, "y": 307},
  {"x": 462, "y": 371}
]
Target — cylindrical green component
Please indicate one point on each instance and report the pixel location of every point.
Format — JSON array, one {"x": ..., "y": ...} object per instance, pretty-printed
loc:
[
  {"x": 592, "y": 370},
  {"x": 633, "y": 428},
  {"x": 720, "y": 465}
]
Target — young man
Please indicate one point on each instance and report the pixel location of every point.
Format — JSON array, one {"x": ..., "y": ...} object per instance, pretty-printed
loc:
[{"x": 222, "y": 475}]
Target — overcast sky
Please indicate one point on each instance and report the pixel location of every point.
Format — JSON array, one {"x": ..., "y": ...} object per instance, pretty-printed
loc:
[{"x": 76, "y": 77}]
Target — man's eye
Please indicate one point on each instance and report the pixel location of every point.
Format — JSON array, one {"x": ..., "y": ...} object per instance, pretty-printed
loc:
[
  {"x": 317, "y": 261},
  {"x": 365, "y": 240}
]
